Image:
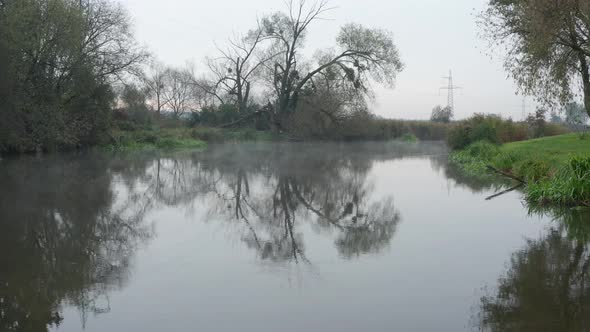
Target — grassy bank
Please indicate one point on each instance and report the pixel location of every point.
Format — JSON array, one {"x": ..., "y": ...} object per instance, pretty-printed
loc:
[
  {"x": 556, "y": 169},
  {"x": 180, "y": 138}
]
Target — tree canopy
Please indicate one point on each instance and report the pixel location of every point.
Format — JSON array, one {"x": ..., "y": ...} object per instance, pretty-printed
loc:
[{"x": 547, "y": 45}]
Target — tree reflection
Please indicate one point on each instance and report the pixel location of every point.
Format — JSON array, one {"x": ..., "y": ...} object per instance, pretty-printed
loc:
[
  {"x": 63, "y": 240},
  {"x": 273, "y": 191},
  {"x": 69, "y": 225},
  {"x": 546, "y": 285}
]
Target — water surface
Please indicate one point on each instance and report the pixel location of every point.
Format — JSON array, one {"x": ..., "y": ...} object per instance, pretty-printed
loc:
[{"x": 281, "y": 237}]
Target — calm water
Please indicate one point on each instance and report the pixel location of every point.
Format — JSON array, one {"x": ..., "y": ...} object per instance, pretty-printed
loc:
[{"x": 281, "y": 237}]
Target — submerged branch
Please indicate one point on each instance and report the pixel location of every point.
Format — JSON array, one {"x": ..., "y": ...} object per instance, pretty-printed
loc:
[
  {"x": 520, "y": 185},
  {"x": 508, "y": 175}
]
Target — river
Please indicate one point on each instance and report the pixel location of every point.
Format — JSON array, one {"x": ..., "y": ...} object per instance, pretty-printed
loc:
[{"x": 281, "y": 237}]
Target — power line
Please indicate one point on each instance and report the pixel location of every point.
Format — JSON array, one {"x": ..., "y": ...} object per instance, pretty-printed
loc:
[{"x": 451, "y": 89}]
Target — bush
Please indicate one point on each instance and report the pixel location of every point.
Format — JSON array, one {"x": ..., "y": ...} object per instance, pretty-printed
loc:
[
  {"x": 482, "y": 150},
  {"x": 475, "y": 158},
  {"x": 459, "y": 137},
  {"x": 491, "y": 128}
]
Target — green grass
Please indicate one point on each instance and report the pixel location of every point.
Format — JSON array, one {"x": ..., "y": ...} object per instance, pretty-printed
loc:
[
  {"x": 181, "y": 138},
  {"x": 554, "y": 150},
  {"x": 556, "y": 169},
  {"x": 159, "y": 139},
  {"x": 409, "y": 137}
]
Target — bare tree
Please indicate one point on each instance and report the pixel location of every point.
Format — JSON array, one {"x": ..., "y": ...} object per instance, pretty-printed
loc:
[
  {"x": 108, "y": 40},
  {"x": 178, "y": 91},
  {"x": 363, "y": 54},
  {"x": 154, "y": 83},
  {"x": 235, "y": 69}
]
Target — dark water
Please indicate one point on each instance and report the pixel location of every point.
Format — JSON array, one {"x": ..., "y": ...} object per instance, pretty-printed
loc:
[{"x": 281, "y": 237}]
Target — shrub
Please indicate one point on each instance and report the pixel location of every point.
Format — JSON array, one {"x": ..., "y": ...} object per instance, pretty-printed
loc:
[
  {"x": 482, "y": 150},
  {"x": 491, "y": 128},
  {"x": 459, "y": 137},
  {"x": 409, "y": 138},
  {"x": 475, "y": 158}
]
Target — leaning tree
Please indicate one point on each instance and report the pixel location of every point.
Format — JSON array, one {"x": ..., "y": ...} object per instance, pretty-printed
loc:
[
  {"x": 361, "y": 55},
  {"x": 547, "y": 45},
  {"x": 273, "y": 52}
]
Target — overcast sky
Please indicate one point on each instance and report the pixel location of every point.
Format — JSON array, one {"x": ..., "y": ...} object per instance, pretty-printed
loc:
[{"x": 433, "y": 37}]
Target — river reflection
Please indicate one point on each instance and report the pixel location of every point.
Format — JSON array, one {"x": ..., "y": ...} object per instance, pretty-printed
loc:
[
  {"x": 72, "y": 228},
  {"x": 545, "y": 287}
]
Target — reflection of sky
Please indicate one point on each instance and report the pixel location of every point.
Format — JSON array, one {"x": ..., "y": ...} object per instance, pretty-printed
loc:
[{"x": 197, "y": 274}]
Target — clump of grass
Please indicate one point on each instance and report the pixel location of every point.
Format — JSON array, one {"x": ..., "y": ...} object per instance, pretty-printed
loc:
[
  {"x": 506, "y": 160},
  {"x": 569, "y": 186},
  {"x": 153, "y": 139},
  {"x": 475, "y": 158},
  {"x": 409, "y": 137},
  {"x": 170, "y": 143},
  {"x": 532, "y": 169}
]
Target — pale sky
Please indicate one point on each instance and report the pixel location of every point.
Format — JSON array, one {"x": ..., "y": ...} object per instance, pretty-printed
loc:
[{"x": 433, "y": 37}]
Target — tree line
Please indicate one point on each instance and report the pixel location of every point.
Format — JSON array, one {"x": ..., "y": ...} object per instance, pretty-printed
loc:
[
  {"x": 67, "y": 66},
  {"x": 70, "y": 68}
]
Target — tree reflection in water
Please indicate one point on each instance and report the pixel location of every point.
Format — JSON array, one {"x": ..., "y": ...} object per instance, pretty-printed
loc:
[
  {"x": 546, "y": 285},
  {"x": 70, "y": 225},
  {"x": 63, "y": 238}
]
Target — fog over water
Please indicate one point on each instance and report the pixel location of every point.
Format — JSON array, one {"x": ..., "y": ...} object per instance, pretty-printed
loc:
[{"x": 290, "y": 237}]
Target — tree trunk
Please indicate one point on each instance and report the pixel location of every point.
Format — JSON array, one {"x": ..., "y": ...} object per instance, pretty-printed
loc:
[{"x": 586, "y": 81}]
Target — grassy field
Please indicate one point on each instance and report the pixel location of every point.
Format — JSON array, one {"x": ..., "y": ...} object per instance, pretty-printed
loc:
[
  {"x": 554, "y": 150},
  {"x": 556, "y": 169}
]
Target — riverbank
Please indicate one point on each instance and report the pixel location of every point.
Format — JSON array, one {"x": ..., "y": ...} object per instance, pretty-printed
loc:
[
  {"x": 556, "y": 170},
  {"x": 181, "y": 138}
]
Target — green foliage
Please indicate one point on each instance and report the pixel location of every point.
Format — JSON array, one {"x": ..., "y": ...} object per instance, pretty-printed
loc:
[
  {"x": 569, "y": 186},
  {"x": 553, "y": 176},
  {"x": 409, "y": 137},
  {"x": 135, "y": 107},
  {"x": 506, "y": 160},
  {"x": 532, "y": 169},
  {"x": 475, "y": 158},
  {"x": 369, "y": 128},
  {"x": 154, "y": 139},
  {"x": 58, "y": 93},
  {"x": 493, "y": 128},
  {"x": 547, "y": 45},
  {"x": 441, "y": 114}
]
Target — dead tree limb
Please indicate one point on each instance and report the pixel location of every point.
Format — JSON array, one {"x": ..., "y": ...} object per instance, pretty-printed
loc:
[
  {"x": 520, "y": 185},
  {"x": 508, "y": 175}
]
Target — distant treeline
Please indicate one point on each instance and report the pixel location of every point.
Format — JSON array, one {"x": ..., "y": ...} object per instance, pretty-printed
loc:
[
  {"x": 72, "y": 75},
  {"x": 71, "y": 72}
]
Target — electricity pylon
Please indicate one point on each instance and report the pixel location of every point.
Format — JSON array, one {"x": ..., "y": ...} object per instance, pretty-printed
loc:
[{"x": 451, "y": 89}]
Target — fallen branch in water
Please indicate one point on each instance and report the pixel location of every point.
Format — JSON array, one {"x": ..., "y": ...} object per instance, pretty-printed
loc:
[
  {"x": 508, "y": 175},
  {"x": 505, "y": 192}
]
